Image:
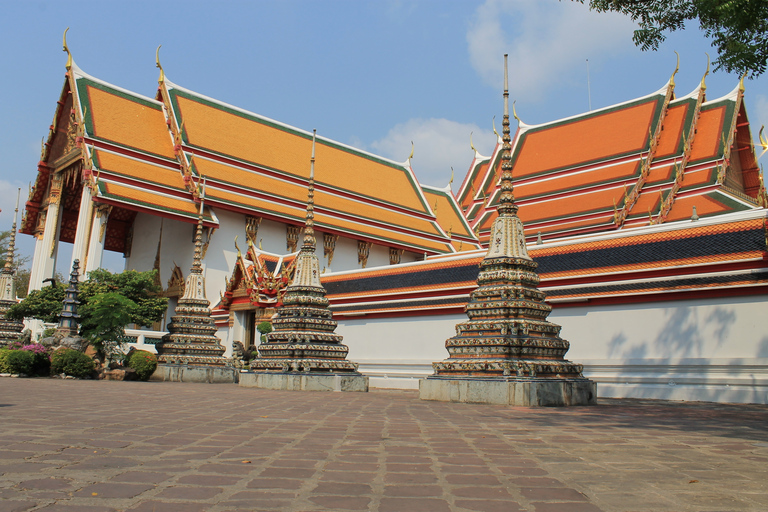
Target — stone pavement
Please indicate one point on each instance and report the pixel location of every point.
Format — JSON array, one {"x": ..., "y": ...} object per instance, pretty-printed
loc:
[{"x": 91, "y": 446}]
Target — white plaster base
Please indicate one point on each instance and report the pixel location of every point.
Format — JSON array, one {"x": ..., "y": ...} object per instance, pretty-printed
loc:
[
  {"x": 304, "y": 381},
  {"x": 183, "y": 373},
  {"x": 542, "y": 392}
]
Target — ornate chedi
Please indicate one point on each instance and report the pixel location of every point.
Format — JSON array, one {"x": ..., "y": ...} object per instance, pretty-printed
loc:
[
  {"x": 10, "y": 330},
  {"x": 303, "y": 341},
  {"x": 191, "y": 340},
  {"x": 507, "y": 352}
]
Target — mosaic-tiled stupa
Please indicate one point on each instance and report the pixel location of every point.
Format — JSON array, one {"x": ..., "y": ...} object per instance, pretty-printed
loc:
[
  {"x": 10, "y": 330},
  {"x": 507, "y": 352},
  {"x": 191, "y": 339},
  {"x": 68, "y": 318},
  {"x": 303, "y": 342}
]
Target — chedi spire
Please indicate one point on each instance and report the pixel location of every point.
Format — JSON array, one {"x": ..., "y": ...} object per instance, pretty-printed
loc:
[
  {"x": 10, "y": 330},
  {"x": 507, "y": 352}
]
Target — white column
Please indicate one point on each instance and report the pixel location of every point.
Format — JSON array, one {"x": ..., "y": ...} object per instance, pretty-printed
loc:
[
  {"x": 80, "y": 246},
  {"x": 98, "y": 234},
  {"x": 44, "y": 262}
]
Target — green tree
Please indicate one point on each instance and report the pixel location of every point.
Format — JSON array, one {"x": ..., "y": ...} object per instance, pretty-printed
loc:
[
  {"x": 738, "y": 28},
  {"x": 143, "y": 306},
  {"x": 43, "y": 304},
  {"x": 103, "y": 320}
]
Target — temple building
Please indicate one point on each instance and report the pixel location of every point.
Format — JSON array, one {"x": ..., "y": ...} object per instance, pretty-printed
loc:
[{"x": 647, "y": 220}]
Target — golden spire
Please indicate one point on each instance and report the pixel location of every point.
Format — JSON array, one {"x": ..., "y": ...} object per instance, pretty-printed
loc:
[
  {"x": 66, "y": 49},
  {"x": 309, "y": 224},
  {"x": 159, "y": 66}
]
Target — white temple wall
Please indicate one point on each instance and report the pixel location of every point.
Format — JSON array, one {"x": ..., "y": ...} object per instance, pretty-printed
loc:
[
  {"x": 707, "y": 349},
  {"x": 344, "y": 257},
  {"x": 221, "y": 255}
]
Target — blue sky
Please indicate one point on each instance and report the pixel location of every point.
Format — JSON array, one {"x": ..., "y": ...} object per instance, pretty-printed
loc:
[{"x": 372, "y": 74}]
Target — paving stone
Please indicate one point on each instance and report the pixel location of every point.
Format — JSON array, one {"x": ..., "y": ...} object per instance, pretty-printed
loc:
[
  {"x": 552, "y": 493},
  {"x": 472, "y": 480},
  {"x": 415, "y": 504},
  {"x": 46, "y": 483},
  {"x": 413, "y": 490},
  {"x": 16, "y": 506},
  {"x": 189, "y": 493},
  {"x": 341, "y": 502},
  {"x": 481, "y": 492},
  {"x": 343, "y": 489},
  {"x": 149, "y": 477},
  {"x": 275, "y": 483},
  {"x": 489, "y": 505},
  {"x": 208, "y": 480},
  {"x": 566, "y": 507},
  {"x": 112, "y": 490},
  {"x": 169, "y": 506}
]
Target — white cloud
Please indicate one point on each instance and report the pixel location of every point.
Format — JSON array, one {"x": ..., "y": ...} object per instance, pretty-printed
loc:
[
  {"x": 545, "y": 40},
  {"x": 438, "y": 145}
]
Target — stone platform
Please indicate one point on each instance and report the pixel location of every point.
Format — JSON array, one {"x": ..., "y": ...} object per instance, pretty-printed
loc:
[
  {"x": 296, "y": 381},
  {"x": 500, "y": 391},
  {"x": 184, "y": 373}
]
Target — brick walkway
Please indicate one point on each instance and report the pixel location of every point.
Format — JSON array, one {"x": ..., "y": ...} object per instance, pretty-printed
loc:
[{"x": 92, "y": 446}]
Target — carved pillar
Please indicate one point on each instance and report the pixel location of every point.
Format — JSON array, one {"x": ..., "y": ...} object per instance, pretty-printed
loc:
[
  {"x": 96, "y": 242},
  {"x": 292, "y": 237},
  {"x": 252, "y": 228},
  {"x": 329, "y": 246},
  {"x": 363, "y": 250},
  {"x": 395, "y": 255},
  {"x": 80, "y": 246}
]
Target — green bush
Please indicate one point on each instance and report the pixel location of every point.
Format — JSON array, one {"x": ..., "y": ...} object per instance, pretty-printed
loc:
[
  {"x": 20, "y": 361},
  {"x": 72, "y": 362},
  {"x": 143, "y": 363},
  {"x": 4, "y": 368}
]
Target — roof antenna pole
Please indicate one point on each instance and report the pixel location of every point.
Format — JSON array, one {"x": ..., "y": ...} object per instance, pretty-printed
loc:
[{"x": 589, "y": 90}]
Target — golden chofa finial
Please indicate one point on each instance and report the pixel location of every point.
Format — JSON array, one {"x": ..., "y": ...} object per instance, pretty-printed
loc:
[
  {"x": 514, "y": 113},
  {"x": 470, "y": 142},
  {"x": 411, "y": 155},
  {"x": 763, "y": 142},
  {"x": 159, "y": 66},
  {"x": 677, "y": 68},
  {"x": 450, "y": 182},
  {"x": 494, "y": 127},
  {"x": 741, "y": 82},
  {"x": 66, "y": 49},
  {"x": 703, "y": 83}
]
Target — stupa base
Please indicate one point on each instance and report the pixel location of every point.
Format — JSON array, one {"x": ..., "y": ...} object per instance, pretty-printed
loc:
[
  {"x": 509, "y": 391},
  {"x": 191, "y": 373},
  {"x": 297, "y": 381}
]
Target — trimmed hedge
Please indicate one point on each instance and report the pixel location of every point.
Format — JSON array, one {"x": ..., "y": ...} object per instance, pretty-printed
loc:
[
  {"x": 20, "y": 361},
  {"x": 143, "y": 363},
  {"x": 72, "y": 362}
]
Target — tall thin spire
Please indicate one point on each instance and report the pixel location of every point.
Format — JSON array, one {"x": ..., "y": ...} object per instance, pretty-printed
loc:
[
  {"x": 507, "y": 204},
  {"x": 12, "y": 243},
  {"x": 309, "y": 224}
]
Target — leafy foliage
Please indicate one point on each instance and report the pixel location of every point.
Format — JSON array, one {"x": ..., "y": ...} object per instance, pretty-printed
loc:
[
  {"x": 44, "y": 304},
  {"x": 97, "y": 295},
  {"x": 20, "y": 361},
  {"x": 72, "y": 362},
  {"x": 4, "y": 368},
  {"x": 143, "y": 363},
  {"x": 104, "y": 317},
  {"x": 264, "y": 328},
  {"x": 738, "y": 28}
]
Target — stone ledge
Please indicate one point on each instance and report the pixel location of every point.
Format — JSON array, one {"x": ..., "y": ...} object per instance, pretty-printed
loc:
[
  {"x": 184, "y": 373},
  {"x": 529, "y": 392},
  {"x": 294, "y": 381}
]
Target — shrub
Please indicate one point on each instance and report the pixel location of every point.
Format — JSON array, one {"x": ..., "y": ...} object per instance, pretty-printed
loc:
[
  {"x": 143, "y": 363},
  {"x": 41, "y": 364},
  {"x": 264, "y": 328},
  {"x": 72, "y": 362},
  {"x": 4, "y": 368},
  {"x": 20, "y": 361}
]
